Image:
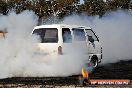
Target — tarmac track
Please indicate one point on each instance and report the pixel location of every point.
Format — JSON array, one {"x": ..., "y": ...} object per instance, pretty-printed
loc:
[{"x": 119, "y": 70}]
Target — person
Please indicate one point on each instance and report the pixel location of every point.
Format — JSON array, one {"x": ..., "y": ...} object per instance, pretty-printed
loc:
[{"x": 86, "y": 70}]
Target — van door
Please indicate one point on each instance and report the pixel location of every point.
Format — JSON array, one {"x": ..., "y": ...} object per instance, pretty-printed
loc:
[
  {"x": 94, "y": 47},
  {"x": 79, "y": 41},
  {"x": 67, "y": 48}
]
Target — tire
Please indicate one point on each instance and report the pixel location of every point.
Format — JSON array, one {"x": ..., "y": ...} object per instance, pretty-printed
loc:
[
  {"x": 94, "y": 61},
  {"x": 85, "y": 81}
]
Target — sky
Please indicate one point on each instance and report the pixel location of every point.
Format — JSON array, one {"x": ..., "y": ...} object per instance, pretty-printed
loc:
[{"x": 81, "y": 1}]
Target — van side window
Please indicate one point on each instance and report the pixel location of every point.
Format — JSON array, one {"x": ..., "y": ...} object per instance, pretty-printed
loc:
[
  {"x": 47, "y": 35},
  {"x": 66, "y": 34},
  {"x": 91, "y": 33},
  {"x": 79, "y": 34}
]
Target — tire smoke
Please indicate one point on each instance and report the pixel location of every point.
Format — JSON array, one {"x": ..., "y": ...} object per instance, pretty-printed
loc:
[
  {"x": 114, "y": 30},
  {"x": 18, "y": 48},
  {"x": 20, "y": 56}
]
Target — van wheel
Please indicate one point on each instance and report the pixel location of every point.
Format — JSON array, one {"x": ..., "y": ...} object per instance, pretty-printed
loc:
[
  {"x": 85, "y": 82},
  {"x": 94, "y": 61}
]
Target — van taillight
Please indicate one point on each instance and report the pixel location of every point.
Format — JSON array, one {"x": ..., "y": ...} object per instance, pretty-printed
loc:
[{"x": 60, "y": 50}]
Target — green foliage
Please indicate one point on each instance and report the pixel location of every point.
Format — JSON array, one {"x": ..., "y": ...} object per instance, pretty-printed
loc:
[
  {"x": 40, "y": 7},
  {"x": 94, "y": 7},
  {"x": 3, "y": 7},
  {"x": 116, "y": 4},
  {"x": 62, "y": 8},
  {"x": 17, "y": 5}
]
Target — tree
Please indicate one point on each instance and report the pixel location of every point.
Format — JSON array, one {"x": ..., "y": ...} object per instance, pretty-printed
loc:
[
  {"x": 94, "y": 7},
  {"x": 40, "y": 7},
  {"x": 61, "y": 8},
  {"x": 17, "y": 5},
  {"x": 55, "y": 8},
  {"x": 116, "y": 4},
  {"x": 3, "y": 7},
  {"x": 130, "y": 5}
]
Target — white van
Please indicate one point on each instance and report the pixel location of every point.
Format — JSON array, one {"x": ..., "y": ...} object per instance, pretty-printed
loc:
[{"x": 56, "y": 37}]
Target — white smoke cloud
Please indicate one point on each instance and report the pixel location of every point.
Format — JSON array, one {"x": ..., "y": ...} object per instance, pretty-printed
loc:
[
  {"x": 18, "y": 51},
  {"x": 15, "y": 47},
  {"x": 18, "y": 48},
  {"x": 114, "y": 31}
]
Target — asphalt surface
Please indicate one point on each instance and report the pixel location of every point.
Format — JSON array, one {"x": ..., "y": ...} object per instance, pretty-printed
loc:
[{"x": 119, "y": 70}]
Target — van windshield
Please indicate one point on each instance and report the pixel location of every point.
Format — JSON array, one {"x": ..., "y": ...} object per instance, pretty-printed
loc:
[
  {"x": 91, "y": 33},
  {"x": 47, "y": 35}
]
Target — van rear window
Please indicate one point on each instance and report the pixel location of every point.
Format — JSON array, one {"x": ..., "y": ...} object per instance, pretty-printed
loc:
[{"x": 47, "y": 35}]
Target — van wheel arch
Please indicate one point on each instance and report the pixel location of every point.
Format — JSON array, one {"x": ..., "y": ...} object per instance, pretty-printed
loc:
[{"x": 94, "y": 60}]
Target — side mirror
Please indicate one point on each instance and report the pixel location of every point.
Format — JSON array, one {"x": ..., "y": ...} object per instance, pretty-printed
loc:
[{"x": 90, "y": 39}]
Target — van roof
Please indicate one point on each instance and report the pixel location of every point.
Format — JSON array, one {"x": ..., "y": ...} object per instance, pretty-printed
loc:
[{"x": 60, "y": 25}]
